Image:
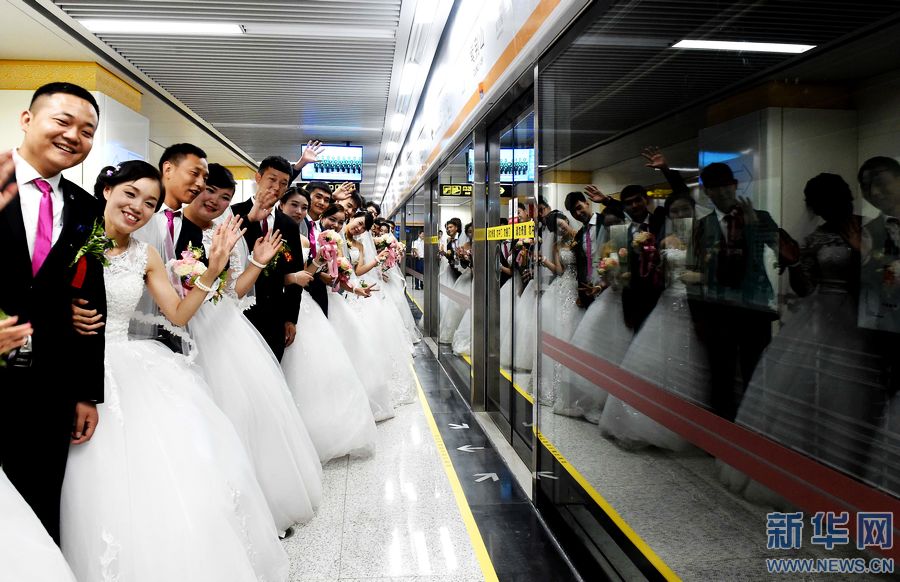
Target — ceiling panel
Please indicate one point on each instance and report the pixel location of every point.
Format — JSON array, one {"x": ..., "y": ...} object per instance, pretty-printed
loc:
[{"x": 303, "y": 69}]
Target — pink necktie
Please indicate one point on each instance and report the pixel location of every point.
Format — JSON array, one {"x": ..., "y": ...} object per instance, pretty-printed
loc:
[
  {"x": 44, "y": 239},
  {"x": 312, "y": 239},
  {"x": 170, "y": 220}
]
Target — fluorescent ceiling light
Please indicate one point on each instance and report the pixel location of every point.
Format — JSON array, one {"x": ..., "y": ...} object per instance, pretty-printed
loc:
[
  {"x": 397, "y": 121},
  {"x": 391, "y": 147},
  {"x": 186, "y": 28},
  {"x": 757, "y": 47}
]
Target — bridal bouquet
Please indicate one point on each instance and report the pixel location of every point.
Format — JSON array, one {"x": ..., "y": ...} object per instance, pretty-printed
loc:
[
  {"x": 650, "y": 263},
  {"x": 387, "y": 241},
  {"x": 328, "y": 251},
  {"x": 190, "y": 267},
  {"x": 344, "y": 269},
  {"x": 96, "y": 246}
]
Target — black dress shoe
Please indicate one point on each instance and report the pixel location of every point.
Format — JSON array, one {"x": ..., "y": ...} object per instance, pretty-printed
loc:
[{"x": 286, "y": 534}]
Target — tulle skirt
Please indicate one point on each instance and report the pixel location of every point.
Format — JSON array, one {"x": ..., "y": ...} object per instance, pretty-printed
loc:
[
  {"x": 380, "y": 313},
  {"x": 666, "y": 352},
  {"x": 395, "y": 290},
  {"x": 507, "y": 297},
  {"x": 602, "y": 332},
  {"x": 820, "y": 385},
  {"x": 355, "y": 332},
  {"x": 524, "y": 343},
  {"x": 560, "y": 316},
  {"x": 451, "y": 317},
  {"x": 248, "y": 385},
  {"x": 327, "y": 389},
  {"x": 164, "y": 489},
  {"x": 27, "y": 552}
]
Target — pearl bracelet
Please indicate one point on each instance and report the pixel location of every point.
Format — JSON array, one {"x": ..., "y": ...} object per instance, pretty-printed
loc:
[
  {"x": 255, "y": 263},
  {"x": 199, "y": 285}
]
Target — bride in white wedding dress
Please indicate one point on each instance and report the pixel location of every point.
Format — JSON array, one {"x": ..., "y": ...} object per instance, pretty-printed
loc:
[
  {"x": 164, "y": 490},
  {"x": 27, "y": 552},
  {"x": 246, "y": 381}
]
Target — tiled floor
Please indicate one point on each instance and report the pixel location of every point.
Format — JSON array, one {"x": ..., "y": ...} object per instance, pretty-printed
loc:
[
  {"x": 678, "y": 505},
  {"x": 391, "y": 517}
]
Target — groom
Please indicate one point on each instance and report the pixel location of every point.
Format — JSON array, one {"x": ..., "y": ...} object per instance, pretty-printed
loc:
[{"x": 52, "y": 384}]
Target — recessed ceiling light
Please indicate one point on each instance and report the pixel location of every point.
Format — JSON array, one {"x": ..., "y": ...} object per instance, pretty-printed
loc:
[
  {"x": 757, "y": 47},
  {"x": 187, "y": 28}
]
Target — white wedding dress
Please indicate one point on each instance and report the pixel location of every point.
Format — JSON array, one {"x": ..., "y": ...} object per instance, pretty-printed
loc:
[
  {"x": 668, "y": 353},
  {"x": 164, "y": 489},
  {"x": 27, "y": 552},
  {"x": 379, "y": 311},
  {"x": 247, "y": 384},
  {"x": 328, "y": 391},
  {"x": 395, "y": 289},
  {"x": 453, "y": 315},
  {"x": 560, "y": 316},
  {"x": 602, "y": 332}
]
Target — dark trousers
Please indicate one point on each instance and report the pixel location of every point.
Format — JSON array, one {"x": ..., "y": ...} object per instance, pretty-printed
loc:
[
  {"x": 420, "y": 267},
  {"x": 735, "y": 339},
  {"x": 270, "y": 325},
  {"x": 35, "y": 445}
]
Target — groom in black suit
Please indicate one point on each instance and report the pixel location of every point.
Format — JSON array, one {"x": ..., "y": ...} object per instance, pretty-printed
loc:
[
  {"x": 277, "y": 306},
  {"x": 51, "y": 385},
  {"x": 732, "y": 303}
]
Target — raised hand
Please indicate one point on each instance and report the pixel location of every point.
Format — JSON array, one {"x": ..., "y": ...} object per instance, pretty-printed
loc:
[
  {"x": 595, "y": 194},
  {"x": 314, "y": 149},
  {"x": 343, "y": 191},
  {"x": 263, "y": 203},
  {"x": 8, "y": 187},
  {"x": 655, "y": 158},
  {"x": 224, "y": 239},
  {"x": 746, "y": 206},
  {"x": 265, "y": 248}
]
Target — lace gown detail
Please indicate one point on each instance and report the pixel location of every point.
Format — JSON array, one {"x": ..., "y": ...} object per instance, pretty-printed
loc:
[{"x": 165, "y": 474}]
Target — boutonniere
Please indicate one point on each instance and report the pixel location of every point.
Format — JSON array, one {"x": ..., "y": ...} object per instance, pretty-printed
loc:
[
  {"x": 284, "y": 251},
  {"x": 96, "y": 246}
]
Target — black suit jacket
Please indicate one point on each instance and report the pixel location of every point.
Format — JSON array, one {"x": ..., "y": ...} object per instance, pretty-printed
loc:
[
  {"x": 581, "y": 267},
  {"x": 317, "y": 288},
  {"x": 275, "y": 304},
  {"x": 753, "y": 290},
  {"x": 70, "y": 362}
]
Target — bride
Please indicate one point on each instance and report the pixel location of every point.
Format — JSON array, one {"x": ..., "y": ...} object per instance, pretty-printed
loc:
[
  {"x": 243, "y": 374},
  {"x": 324, "y": 382},
  {"x": 379, "y": 310},
  {"x": 666, "y": 351},
  {"x": 560, "y": 313},
  {"x": 165, "y": 490}
]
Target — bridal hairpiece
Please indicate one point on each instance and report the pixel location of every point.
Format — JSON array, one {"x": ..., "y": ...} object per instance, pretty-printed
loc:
[{"x": 114, "y": 170}]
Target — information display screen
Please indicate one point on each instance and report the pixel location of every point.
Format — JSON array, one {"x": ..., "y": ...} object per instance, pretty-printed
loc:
[{"x": 335, "y": 164}]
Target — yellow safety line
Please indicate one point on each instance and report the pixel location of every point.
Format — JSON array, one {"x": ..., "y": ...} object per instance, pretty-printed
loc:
[
  {"x": 524, "y": 393},
  {"x": 481, "y": 553},
  {"x": 413, "y": 299},
  {"x": 623, "y": 525}
]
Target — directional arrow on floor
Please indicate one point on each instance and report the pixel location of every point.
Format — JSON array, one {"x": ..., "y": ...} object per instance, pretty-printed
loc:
[
  {"x": 485, "y": 476},
  {"x": 545, "y": 475},
  {"x": 528, "y": 424},
  {"x": 458, "y": 426},
  {"x": 468, "y": 448}
]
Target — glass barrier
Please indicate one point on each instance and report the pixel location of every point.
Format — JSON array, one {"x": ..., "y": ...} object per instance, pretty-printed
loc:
[{"x": 720, "y": 312}]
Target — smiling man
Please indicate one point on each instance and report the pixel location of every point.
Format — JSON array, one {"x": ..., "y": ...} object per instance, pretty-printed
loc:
[{"x": 41, "y": 229}]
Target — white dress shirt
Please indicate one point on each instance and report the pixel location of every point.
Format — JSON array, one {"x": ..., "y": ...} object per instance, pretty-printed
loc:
[
  {"x": 419, "y": 248},
  {"x": 30, "y": 200}
]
